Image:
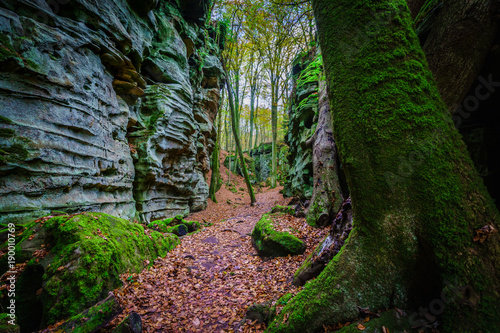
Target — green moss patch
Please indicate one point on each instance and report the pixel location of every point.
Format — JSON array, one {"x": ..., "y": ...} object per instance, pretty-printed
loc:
[
  {"x": 85, "y": 255},
  {"x": 94, "y": 318},
  {"x": 290, "y": 210},
  {"x": 271, "y": 243},
  {"x": 311, "y": 74},
  {"x": 175, "y": 225}
]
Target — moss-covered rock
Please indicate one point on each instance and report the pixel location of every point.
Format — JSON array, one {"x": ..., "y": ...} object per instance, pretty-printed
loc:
[
  {"x": 93, "y": 318},
  {"x": 175, "y": 225},
  {"x": 179, "y": 230},
  {"x": 271, "y": 243},
  {"x": 302, "y": 125},
  {"x": 75, "y": 260},
  {"x": 290, "y": 210}
]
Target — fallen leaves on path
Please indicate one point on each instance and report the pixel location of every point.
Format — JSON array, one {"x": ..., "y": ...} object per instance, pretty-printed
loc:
[{"x": 207, "y": 283}]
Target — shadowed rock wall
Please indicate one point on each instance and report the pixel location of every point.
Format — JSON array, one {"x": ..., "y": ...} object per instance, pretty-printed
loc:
[{"x": 105, "y": 106}]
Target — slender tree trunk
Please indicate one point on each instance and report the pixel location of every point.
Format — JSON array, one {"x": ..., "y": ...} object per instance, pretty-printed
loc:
[
  {"x": 252, "y": 105},
  {"x": 214, "y": 179},
  {"x": 229, "y": 152},
  {"x": 255, "y": 122},
  {"x": 238, "y": 144},
  {"x": 227, "y": 132},
  {"x": 274, "y": 130},
  {"x": 236, "y": 118},
  {"x": 418, "y": 202}
]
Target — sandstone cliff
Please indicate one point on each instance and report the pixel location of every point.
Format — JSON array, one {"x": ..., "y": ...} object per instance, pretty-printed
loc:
[{"x": 106, "y": 106}]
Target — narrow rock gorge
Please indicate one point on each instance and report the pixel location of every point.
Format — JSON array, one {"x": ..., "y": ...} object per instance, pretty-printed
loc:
[{"x": 106, "y": 106}]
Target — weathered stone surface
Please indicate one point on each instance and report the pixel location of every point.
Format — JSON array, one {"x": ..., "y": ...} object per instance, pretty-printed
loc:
[
  {"x": 302, "y": 125},
  {"x": 262, "y": 160},
  {"x": 82, "y": 83}
]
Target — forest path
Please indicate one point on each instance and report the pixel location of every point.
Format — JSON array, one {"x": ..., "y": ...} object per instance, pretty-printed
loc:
[{"x": 207, "y": 282}]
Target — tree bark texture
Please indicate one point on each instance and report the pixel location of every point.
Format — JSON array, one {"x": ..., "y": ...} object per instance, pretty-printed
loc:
[
  {"x": 458, "y": 44},
  {"x": 418, "y": 202},
  {"x": 415, "y": 6},
  {"x": 327, "y": 195}
]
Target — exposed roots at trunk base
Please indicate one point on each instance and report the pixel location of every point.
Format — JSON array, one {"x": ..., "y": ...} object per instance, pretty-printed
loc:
[
  {"x": 358, "y": 277},
  {"x": 328, "y": 248}
]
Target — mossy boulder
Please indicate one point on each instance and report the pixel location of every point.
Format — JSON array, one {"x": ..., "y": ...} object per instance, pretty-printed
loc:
[
  {"x": 290, "y": 210},
  {"x": 175, "y": 225},
  {"x": 73, "y": 261},
  {"x": 93, "y": 318},
  {"x": 262, "y": 313},
  {"x": 272, "y": 243},
  {"x": 179, "y": 230}
]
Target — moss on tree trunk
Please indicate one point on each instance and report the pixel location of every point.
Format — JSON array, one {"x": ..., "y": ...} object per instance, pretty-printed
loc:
[{"x": 417, "y": 199}]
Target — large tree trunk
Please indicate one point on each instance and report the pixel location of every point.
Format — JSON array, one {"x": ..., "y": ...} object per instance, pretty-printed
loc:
[
  {"x": 327, "y": 195},
  {"x": 458, "y": 44},
  {"x": 417, "y": 199}
]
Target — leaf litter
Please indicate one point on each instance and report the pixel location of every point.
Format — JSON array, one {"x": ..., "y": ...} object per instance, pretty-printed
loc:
[{"x": 207, "y": 282}]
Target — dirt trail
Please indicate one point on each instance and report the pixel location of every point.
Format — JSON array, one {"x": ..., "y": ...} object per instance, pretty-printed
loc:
[{"x": 210, "y": 279}]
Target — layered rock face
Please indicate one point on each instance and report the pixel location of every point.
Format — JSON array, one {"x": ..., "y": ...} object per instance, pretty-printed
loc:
[
  {"x": 302, "y": 125},
  {"x": 105, "y": 106}
]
